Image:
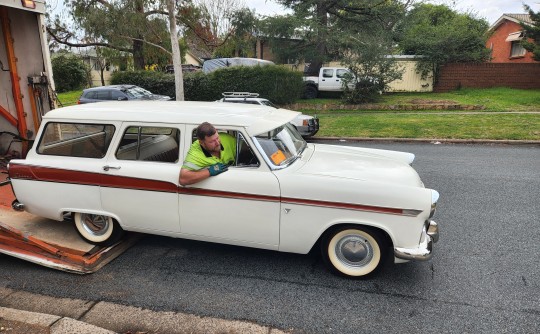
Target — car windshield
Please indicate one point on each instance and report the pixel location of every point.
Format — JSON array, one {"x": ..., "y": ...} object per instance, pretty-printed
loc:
[
  {"x": 137, "y": 92},
  {"x": 281, "y": 146}
]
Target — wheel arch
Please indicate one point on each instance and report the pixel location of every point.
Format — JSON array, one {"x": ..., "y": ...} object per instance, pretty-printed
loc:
[
  {"x": 331, "y": 228},
  {"x": 72, "y": 211}
]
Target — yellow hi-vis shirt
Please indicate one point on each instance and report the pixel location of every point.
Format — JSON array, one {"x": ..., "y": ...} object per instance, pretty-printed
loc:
[{"x": 198, "y": 158}]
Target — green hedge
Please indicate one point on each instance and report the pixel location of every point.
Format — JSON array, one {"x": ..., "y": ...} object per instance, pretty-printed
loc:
[{"x": 276, "y": 83}]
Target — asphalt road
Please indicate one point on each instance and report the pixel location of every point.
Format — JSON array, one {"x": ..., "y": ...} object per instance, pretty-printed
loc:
[{"x": 483, "y": 278}]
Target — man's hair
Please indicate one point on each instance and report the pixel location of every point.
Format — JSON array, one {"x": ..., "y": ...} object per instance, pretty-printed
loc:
[{"x": 205, "y": 130}]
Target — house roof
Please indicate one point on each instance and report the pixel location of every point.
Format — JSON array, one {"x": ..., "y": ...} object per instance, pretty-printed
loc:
[{"x": 517, "y": 18}]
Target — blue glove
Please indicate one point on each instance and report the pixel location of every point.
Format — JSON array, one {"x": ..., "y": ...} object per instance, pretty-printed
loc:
[{"x": 217, "y": 169}]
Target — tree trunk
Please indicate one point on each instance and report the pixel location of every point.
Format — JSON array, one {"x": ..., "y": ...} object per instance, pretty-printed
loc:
[
  {"x": 322, "y": 27},
  {"x": 177, "y": 60},
  {"x": 138, "y": 56}
]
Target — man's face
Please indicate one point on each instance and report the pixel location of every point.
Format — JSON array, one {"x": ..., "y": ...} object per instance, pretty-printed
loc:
[{"x": 211, "y": 143}]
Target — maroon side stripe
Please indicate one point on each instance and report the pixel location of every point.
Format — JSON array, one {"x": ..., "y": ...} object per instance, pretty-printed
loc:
[{"x": 47, "y": 174}]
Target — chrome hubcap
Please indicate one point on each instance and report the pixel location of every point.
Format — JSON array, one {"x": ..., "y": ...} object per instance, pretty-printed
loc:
[
  {"x": 354, "y": 251},
  {"x": 95, "y": 224}
]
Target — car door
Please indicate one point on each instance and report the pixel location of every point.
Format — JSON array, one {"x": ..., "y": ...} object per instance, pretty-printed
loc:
[
  {"x": 140, "y": 181},
  {"x": 240, "y": 206}
]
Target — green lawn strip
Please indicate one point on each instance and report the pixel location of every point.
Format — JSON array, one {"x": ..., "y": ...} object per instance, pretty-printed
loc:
[
  {"x": 457, "y": 126},
  {"x": 493, "y": 99},
  {"x": 69, "y": 98}
]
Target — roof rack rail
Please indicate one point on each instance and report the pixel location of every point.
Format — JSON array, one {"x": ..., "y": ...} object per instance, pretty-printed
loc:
[{"x": 239, "y": 94}]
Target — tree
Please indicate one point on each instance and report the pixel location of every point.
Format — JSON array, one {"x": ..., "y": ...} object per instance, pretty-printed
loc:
[
  {"x": 372, "y": 68},
  {"x": 70, "y": 73},
  {"x": 121, "y": 25},
  {"x": 532, "y": 33},
  {"x": 210, "y": 23},
  {"x": 316, "y": 25},
  {"x": 441, "y": 35}
]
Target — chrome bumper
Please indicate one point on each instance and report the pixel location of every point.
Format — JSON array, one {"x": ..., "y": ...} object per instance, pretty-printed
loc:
[{"x": 424, "y": 251}]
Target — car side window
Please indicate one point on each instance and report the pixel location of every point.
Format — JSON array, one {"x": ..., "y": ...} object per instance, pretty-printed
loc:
[
  {"x": 158, "y": 144},
  {"x": 341, "y": 73},
  {"x": 117, "y": 95},
  {"x": 103, "y": 94},
  {"x": 90, "y": 95},
  {"x": 328, "y": 73},
  {"x": 81, "y": 140},
  {"x": 245, "y": 156}
]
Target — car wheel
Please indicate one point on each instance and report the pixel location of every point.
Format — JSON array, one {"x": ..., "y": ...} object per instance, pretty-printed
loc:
[
  {"x": 353, "y": 251},
  {"x": 98, "y": 229},
  {"x": 310, "y": 92}
]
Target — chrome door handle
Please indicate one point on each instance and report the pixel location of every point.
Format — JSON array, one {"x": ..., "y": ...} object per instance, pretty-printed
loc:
[{"x": 106, "y": 168}]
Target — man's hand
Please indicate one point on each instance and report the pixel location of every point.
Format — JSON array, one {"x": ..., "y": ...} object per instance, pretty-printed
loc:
[{"x": 217, "y": 169}]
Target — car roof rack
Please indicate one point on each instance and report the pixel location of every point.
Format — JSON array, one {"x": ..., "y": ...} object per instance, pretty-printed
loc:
[{"x": 239, "y": 94}]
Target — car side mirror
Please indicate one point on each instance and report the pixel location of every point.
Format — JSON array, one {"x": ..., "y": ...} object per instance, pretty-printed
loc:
[{"x": 122, "y": 98}]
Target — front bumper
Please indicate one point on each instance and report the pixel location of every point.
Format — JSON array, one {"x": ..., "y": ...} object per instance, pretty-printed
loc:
[{"x": 424, "y": 251}]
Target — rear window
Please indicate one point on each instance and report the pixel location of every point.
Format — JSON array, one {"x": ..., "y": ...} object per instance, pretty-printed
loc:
[{"x": 81, "y": 140}]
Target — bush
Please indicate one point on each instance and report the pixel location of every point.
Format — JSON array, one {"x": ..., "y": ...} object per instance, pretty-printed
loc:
[
  {"x": 276, "y": 83},
  {"x": 70, "y": 73}
]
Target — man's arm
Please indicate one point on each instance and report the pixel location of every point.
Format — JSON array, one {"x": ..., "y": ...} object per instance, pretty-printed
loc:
[{"x": 188, "y": 177}]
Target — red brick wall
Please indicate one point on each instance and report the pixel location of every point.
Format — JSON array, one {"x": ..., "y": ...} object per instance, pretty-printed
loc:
[
  {"x": 501, "y": 48},
  {"x": 486, "y": 75}
]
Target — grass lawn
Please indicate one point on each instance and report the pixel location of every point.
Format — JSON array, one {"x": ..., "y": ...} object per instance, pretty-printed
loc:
[
  {"x": 436, "y": 126},
  {"x": 493, "y": 99}
]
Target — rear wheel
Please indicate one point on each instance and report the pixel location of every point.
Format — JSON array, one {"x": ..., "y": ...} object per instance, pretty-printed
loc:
[
  {"x": 98, "y": 229},
  {"x": 310, "y": 92},
  {"x": 353, "y": 251}
]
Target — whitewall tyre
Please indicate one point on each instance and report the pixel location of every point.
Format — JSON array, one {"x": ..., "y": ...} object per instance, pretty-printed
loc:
[
  {"x": 97, "y": 229},
  {"x": 353, "y": 251}
]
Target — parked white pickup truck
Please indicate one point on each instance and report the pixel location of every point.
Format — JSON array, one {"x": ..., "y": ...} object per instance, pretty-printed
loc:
[{"x": 329, "y": 80}]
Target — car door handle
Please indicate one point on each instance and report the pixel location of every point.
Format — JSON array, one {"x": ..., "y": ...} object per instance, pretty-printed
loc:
[{"x": 106, "y": 168}]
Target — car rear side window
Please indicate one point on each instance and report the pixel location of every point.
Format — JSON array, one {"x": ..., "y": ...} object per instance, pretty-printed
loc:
[
  {"x": 103, "y": 95},
  {"x": 81, "y": 140},
  {"x": 158, "y": 144}
]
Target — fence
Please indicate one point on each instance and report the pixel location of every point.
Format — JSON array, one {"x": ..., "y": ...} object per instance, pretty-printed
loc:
[{"x": 486, "y": 75}]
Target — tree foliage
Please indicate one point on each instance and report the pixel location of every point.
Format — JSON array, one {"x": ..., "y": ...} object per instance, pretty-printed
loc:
[
  {"x": 532, "y": 33},
  {"x": 441, "y": 35},
  {"x": 70, "y": 73},
  {"x": 315, "y": 28}
]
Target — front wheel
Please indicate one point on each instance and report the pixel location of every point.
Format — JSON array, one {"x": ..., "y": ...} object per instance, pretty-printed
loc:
[
  {"x": 353, "y": 251},
  {"x": 98, "y": 229}
]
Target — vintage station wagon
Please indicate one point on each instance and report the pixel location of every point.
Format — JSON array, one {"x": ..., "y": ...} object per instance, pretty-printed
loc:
[{"x": 114, "y": 166}]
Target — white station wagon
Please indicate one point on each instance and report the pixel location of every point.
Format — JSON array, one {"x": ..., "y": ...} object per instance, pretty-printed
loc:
[{"x": 114, "y": 166}]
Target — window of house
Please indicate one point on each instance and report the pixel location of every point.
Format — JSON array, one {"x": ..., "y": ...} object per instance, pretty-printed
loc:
[
  {"x": 517, "y": 49},
  {"x": 158, "y": 144},
  {"x": 76, "y": 139}
]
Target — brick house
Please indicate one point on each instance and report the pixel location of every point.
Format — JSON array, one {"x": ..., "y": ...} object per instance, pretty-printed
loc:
[{"x": 504, "y": 42}]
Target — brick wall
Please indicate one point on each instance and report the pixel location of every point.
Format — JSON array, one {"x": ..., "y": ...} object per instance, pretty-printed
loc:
[{"x": 486, "y": 75}]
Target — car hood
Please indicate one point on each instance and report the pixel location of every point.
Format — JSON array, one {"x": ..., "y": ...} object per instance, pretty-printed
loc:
[{"x": 362, "y": 164}]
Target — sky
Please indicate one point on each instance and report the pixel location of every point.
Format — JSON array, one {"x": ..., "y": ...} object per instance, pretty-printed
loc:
[{"x": 490, "y": 10}]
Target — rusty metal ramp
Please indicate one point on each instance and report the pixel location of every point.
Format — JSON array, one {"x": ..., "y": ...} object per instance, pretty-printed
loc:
[{"x": 54, "y": 244}]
